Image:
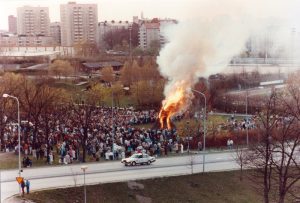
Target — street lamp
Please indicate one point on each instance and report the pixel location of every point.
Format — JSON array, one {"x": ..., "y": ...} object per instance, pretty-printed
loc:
[
  {"x": 204, "y": 125},
  {"x": 84, "y": 168},
  {"x": 113, "y": 122},
  {"x": 188, "y": 136},
  {"x": 247, "y": 141},
  {"x": 19, "y": 134}
]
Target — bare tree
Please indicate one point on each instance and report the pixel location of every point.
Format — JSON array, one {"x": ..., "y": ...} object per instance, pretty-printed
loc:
[
  {"x": 286, "y": 145},
  {"x": 82, "y": 113},
  {"x": 275, "y": 157},
  {"x": 107, "y": 74},
  {"x": 240, "y": 157},
  {"x": 260, "y": 153},
  {"x": 61, "y": 68},
  {"x": 192, "y": 162},
  {"x": 74, "y": 176}
]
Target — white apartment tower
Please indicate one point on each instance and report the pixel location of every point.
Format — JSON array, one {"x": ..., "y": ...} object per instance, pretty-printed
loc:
[
  {"x": 33, "y": 21},
  {"x": 78, "y": 23}
]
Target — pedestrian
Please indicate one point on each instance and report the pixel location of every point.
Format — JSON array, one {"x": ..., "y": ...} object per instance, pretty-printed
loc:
[
  {"x": 200, "y": 146},
  {"x": 228, "y": 143},
  {"x": 27, "y": 184},
  {"x": 176, "y": 147},
  {"x": 181, "y": 147},
  {"x": 22, "y": 186},
  {"x": 50, "y": 158},
  {"x": 231, "y": 144}
]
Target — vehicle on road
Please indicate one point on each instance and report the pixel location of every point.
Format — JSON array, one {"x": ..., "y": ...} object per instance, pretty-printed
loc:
[{"x": 138, "y": 159}]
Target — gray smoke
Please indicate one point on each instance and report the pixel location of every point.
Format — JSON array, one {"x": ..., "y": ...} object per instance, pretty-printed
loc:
[{"x": 204, "y": 45}]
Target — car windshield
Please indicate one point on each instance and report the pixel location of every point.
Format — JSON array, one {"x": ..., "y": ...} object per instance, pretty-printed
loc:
[{"x": 135, "y": 156}]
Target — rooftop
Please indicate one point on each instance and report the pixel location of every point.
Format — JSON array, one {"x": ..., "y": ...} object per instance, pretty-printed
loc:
[{"x": 102, "y": 64}]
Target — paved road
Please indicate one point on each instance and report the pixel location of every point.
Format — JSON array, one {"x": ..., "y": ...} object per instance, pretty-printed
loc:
[{"x": 71, "y": 175}]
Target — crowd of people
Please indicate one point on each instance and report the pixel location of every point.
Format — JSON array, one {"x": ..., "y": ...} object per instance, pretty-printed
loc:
[
  {"x": 112, "y": 134},
  {"x": 241, "y": 124}
]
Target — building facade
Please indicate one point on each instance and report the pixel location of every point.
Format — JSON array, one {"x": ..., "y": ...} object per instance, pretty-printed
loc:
[
  {"x": 78, "y": 23},
  {"x": 8, "y": 40},
  {"x": 106, "y": 27},
  {"x": 33, "y": 21},
  {"x": 150, "y": 32},
  {"x": 12, "y": 24},
  {"x": 55, "y": 32}
]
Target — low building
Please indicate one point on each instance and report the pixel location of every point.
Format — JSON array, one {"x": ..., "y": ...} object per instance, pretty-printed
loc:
[
  {"x": 96, "y": 66},
  {"x": 9, "y": 40}
]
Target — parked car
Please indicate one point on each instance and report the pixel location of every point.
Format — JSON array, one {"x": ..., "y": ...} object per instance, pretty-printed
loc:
[{"x": 138, "y": 159}]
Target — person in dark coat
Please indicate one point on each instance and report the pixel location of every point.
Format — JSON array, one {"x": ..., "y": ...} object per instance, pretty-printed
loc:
[{"x": 22, "y": 186}]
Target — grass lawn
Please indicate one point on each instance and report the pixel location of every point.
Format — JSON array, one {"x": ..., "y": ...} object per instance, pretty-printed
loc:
[
  {"x": 10, "y": 161},
  {"x": 207, "y": 188}
]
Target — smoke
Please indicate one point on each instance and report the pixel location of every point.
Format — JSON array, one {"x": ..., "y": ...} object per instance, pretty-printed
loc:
[{"x": 205, "y": 44}]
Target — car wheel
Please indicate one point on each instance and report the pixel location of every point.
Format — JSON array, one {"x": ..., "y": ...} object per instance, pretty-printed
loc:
[
  {"x": 126, "y": 164},
  {"x": 133, "y": 163},
  {"x": 149, "y": 162}
]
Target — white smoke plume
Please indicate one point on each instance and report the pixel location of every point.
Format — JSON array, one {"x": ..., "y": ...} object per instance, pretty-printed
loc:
[{"x": 204, "y": 45}]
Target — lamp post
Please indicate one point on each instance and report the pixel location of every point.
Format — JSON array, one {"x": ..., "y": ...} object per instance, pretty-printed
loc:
[
  {"x": 84, "y": 168},
  {"x": 247, "y": 137},
  {"x": 188, "y": 136},
  {"x": 204, "y": 126},
  {"x": 19, "y": 134},
  {"x": 113, "y": 122}
]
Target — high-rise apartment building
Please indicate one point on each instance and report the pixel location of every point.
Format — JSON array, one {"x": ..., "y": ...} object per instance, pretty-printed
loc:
[
  {"x": 150, "y": 31},
  {"x": 55, "y": 32},
  {"x": 33, "y": 21},
  {"x": 12, "y": 24},
  {"x": 78, "y": 23}
]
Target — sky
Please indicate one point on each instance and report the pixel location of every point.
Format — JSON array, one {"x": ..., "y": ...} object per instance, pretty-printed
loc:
[{"x": 177, "y": 9}]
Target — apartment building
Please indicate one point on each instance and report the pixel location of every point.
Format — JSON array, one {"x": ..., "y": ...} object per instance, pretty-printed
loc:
[
  {"x": 55, "y": 32},
  {"x": 33, "y": 21},
  {"x": 150, "y": 31},
  {"x": 78, "y": 23},
  {"x": 9, "y": 40},
  {"x": 12, "y": 24}
]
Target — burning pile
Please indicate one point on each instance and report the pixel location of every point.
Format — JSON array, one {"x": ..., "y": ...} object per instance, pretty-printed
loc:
[{"x": 174, "y": 104}]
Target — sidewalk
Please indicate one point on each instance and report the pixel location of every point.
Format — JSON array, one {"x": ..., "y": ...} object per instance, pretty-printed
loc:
[{"x": 16, "y": 199}]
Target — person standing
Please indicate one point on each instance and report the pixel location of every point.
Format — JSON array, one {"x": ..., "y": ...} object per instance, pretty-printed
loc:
[
  {"x": 50, "y": 158},
  {"x": 22, "y": 186},
  {"x": 181, "y": 147},
  {"x": 199, "y": 146},
  {"x": 176, "y": 147},
  {"x": 27, "y": 185}
]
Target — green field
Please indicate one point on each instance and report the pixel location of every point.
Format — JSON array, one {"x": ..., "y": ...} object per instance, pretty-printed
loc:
[{"x": 207, "y": 188}]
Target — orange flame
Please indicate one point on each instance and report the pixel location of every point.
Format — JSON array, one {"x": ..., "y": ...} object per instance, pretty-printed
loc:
[{"x": 172, "y": 105}]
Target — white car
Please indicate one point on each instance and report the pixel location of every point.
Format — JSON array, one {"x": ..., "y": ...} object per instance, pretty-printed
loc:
[{"x": 138, "y": 159}]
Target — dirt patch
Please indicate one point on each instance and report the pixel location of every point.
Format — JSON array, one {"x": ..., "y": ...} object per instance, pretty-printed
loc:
[
  {"x": 142, "y": 199},
  {"x": 135, "y": 186}
]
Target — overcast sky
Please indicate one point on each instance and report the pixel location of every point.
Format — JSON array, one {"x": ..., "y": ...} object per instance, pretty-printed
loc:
[{"x": 178, "y": 9}]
